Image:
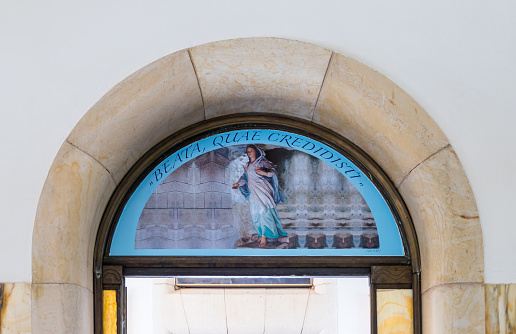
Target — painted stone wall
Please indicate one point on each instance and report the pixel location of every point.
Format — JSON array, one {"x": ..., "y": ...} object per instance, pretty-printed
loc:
[
  {"x": 192, "y": 208},
  {"x": 322, "y": 207},
  {"x": 195, "y": 206}
]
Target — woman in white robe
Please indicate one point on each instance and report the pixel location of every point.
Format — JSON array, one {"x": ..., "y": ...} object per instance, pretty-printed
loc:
[{"x": 259, "y": 184}]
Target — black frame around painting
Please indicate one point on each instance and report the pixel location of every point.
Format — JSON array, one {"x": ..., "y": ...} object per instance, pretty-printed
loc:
[{"x": 307, "y": 266}]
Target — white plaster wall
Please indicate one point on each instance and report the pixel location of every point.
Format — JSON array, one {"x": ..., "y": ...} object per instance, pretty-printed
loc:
[{"x": 457, "y": 59}]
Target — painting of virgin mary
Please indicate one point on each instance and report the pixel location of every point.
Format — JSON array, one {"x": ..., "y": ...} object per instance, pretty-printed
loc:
[{"x": 259, "y": 184}]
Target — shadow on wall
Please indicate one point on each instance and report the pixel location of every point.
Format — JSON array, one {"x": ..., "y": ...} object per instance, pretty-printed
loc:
[{"x": 1, "y": 303}]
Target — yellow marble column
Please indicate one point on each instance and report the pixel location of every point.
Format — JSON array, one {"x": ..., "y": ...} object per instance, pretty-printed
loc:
[
  {"x": 110, "y": 312},
  {"x": 395, "y": 311}
]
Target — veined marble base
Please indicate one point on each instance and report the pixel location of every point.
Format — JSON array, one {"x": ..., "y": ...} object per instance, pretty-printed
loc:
[
  {"x": 500, "y": 308},
  {"x": 15, "y": 308}
]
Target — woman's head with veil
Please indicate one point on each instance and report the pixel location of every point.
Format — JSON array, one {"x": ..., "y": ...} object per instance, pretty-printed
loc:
[{"x": 253, "y": 152}]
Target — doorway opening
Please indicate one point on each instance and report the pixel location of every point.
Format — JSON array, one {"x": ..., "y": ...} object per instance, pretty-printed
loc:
[
  {"x": 321, "y": 209},
  {"x": 285, "y": 305}
]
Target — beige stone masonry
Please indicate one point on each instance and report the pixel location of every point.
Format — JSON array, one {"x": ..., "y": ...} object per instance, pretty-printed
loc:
[
  {"x": 454, "y": 309},
  {"x": 61, "y": 308},
  {"x": 138, "y": 113},
  {"x": 257, "y": 75},
  {"x": 72, "y": 202},
  {"x": 260, "y": 75},
  {"x": 445, "y": 216},
  {"x": 378, "y": 116}
]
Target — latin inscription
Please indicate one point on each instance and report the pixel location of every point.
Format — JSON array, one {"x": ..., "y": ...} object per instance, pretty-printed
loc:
[{"x": 254, "y": 136}]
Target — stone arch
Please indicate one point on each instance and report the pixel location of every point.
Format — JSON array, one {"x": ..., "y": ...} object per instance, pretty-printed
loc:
[{"x": 264, "y": 75}]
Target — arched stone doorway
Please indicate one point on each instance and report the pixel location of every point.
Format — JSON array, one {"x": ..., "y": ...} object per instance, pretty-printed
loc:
[{"x": 258, "y": 75}]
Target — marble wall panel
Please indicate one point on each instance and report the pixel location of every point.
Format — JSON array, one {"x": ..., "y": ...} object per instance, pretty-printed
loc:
[
  {"x": 395, "y": 311},
  {"x": 322, "y": 311},
  {"x": 169, "y": 315},
  {"x": 279, "y": 300},
  {"x": 245, "y": 310},
  {"x": 138, "y": 113},
  {"x": 61, "y": 308},
  {"x": 260, "y": 75},
  {"x": 72, "y": 202},
  {"x": 15, "y": 308},
  {"x": 445, "y": 216},
  {"x": 205, "y": 308},
  {"x": 212, "y": 172},
  {"x": 378, "y": 116},
  {"x": 500, "y": 302},
  {"x": 454, "y": 308}
]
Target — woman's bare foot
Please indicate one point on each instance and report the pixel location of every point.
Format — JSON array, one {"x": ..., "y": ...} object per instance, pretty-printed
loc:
[{"x": 263, "y": 242}]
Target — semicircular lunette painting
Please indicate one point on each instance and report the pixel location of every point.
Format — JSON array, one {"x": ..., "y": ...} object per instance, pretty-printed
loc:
[{"x": 256, "y": 197}]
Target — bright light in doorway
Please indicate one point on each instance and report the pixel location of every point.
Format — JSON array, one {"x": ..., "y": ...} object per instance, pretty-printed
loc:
[{"x": 331, "y": 306}]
